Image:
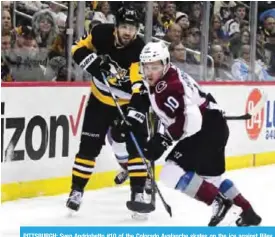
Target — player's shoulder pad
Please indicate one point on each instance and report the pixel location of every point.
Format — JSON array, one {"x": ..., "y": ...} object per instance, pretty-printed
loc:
[
  {"x": 171, "y": 85},
  {"x": 102, "y": 35}
]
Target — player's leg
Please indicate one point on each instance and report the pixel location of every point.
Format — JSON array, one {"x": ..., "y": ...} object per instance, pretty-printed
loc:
[
  {"x": 117, "y": 141},
  {"x": 92, "y": 139},
  {"x": 212, "y": 162},
  {"x": 248, "y": 216},
  {"x": 179, "y": 173},
  {"x": 136, "y": 168},
  {"x": 229, "y": 189},
  {"x": 212, "y": 165}
]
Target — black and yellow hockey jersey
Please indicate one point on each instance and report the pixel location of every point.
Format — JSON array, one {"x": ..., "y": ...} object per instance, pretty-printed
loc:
[{"x": 125, "y": 60}]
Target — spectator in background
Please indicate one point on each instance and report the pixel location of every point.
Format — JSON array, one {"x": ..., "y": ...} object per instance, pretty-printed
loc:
[
  {"x": 221, "y": 68},
  {"x": 17, "y": 39},
  {"x": 245, "y": 37},
  {"x": 61, "y": 22},
  {"x": 232, "y": 26},
  {"x": 216, "y": 31},
  {"x": 183, "y": 20},
  {"x": 6, "y": 22},
  {"x": 177, "y": 52},
  {"x": 236, "y": 44},
  {"x": 260, "y": 49},
  {"x": 26, "y": 61},
  {"x": 270, "y": 54},
  {"x": 241, "y": 69},
  {"x": 103, "y": 13},
  {"x": 5, "y": 47},
  {"x": 244, "y": 25},
  {"x": 45, "y": 28},
  {"x": 194, "y": 38},
  {"x": 240, "y": 13},
  {"x": 178, "y": 57},
  {"x": 196, "y": 12},
  {"x": 31, "y": 7},
  {"x": 220, "y": 7},
  {"x": 269, "y": 26},
  {"x": 173, "y": 33},
  {"x": 158, "y": 29},
  {"x": 170, "y": 10},
  {"x": 6, "y": 6},
  {"x": 55, "y": 8},
  {"x": 5, "y": 41},
  {"x": 193, "y": 42},
  {"x": 169, "y": 14}
]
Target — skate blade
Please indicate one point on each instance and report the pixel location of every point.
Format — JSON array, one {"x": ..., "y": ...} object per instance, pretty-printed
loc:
[
  {"x": 71, "y": 210},
  {"x": 139, "y": 216},
  {"x": 140, "y": 207},
  {"x": 70, "y": 213}
]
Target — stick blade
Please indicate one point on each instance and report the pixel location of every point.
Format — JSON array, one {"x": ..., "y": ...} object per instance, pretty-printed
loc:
[{"x": 169, "y": 210}]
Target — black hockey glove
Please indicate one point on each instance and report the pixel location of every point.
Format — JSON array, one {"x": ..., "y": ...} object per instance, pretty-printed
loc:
[
  {"x": 92, "y": 63},
  {"x": 156, "y": 146},
  {"x": 134, "y": 120}
]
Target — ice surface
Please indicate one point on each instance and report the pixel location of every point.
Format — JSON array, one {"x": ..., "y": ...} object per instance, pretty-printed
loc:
[{"x": 107, "y": 206}]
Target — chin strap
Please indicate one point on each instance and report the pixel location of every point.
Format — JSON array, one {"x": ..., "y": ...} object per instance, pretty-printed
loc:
[{"x": 165, "y": 70}]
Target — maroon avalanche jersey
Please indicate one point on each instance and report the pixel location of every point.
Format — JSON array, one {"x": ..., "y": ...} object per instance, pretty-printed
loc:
[{"x": 177, "y": 100}]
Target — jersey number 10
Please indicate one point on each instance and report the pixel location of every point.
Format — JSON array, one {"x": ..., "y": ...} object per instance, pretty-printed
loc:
[{"x": 172, "y": 103}]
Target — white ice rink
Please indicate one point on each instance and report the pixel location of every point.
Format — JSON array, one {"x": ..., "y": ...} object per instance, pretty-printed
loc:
[{"x": 107, "y": 207}]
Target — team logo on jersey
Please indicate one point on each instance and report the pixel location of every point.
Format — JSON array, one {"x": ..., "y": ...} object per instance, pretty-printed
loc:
[
  {"x": 161, "y": 86},
  {"x": 117, "y": 72}
]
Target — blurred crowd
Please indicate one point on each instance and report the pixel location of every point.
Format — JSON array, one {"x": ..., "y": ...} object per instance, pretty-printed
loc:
[{"x": 35, "y": 45}]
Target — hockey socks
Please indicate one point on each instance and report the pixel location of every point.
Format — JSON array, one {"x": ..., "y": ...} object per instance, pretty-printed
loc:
[
  {"x": 82, "y": 171},
  {"x": 138, "y": 174},
  {"x": 194, "y": 186},
  {"x": 137, "y": 171},
  {"x": 228, "y": 189}
]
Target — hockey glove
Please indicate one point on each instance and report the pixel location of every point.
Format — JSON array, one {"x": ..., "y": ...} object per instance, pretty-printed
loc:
[
  {"x": 134, "y": 120},
  {"x": 92, "y": 63},
  {"x": 156, "y": 146}
]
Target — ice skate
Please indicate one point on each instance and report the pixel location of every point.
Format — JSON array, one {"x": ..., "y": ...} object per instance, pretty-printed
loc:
[
  {"x": 139, "y": 207},
  {"x": 121, "y": 177},
  {"x": 74, "y": 200},
  {"x": 138, "y": 204},
  {"x": 248, "y": 218},
  {"x": 221, "y": 206}
]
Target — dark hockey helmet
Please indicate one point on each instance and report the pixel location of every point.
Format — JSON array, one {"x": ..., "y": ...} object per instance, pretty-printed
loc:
[{"x": 127, "y": 15}]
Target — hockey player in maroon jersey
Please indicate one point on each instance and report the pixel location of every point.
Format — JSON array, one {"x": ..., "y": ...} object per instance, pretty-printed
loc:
[{"x": 193, "y": 119}]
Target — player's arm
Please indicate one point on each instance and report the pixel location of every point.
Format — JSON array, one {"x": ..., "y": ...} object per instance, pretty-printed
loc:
[
  {"x": 84, "y": 54},
  {"x": 187, "y": 116},
  {"x": 139, "y": 103}
]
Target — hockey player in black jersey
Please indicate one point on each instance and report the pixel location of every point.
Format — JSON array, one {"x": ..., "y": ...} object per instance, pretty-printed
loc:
[{"x": 114, "y": 51}]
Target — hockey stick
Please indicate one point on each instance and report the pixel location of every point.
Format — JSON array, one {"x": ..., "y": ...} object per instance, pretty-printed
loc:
[
  {"x": 252, "y": 112},
  {"x": 166, "y": 206},
  {"x": 151, "y": 130}
]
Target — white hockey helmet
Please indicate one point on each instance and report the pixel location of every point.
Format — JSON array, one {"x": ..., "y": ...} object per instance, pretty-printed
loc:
[{"x": 155, "y": 51}]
